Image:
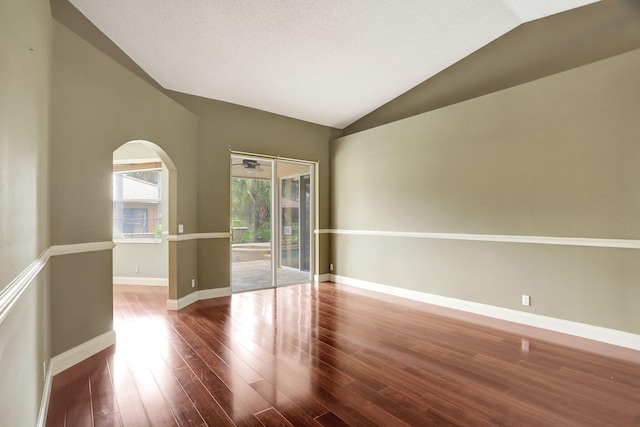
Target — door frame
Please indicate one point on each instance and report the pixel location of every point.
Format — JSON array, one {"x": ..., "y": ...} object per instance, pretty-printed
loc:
[{"x": 275, "y": 210}]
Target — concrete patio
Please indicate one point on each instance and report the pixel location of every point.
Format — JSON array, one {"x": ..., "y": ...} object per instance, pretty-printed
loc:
[{"x": 251, "y": 275}]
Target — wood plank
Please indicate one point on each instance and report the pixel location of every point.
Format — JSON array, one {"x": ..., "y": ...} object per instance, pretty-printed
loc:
[
  {"x": 272, "y": 417},
  {"x": 179, "y": 403},
  {"x": 231, "y": 380},
  {"x": 153, "y": 400},
  {"x": 235, "y": 408},
  {"x": 111, "y": 419},
  {"x": 331, "y": 420},
  {"x": 132, "y": 412},
  {"x": 285, "y": 406},
  {"x": 103, "y": 396},
  {"x": 326, "y": 354},
  {"x": 207, "y": 406},
  {"x": 57, "y": 403},
  {"x": 79, "y": 403}
]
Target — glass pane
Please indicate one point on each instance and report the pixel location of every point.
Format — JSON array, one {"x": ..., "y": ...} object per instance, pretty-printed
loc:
[
  {"x": 295, "y": 222},
  {"x": 250, "y": 224},
  {"x": 137, "y": 203},
  {"x": 305, "y": 223},
  {"x": 290, "y": 222}
]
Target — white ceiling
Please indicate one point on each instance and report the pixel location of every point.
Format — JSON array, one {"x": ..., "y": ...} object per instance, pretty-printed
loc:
[{"x": 324, "y": 61}]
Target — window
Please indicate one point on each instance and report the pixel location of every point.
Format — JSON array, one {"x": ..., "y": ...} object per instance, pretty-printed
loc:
[
  {"x": 137, "y": 202},
  {"x": 135, "y": 221}
]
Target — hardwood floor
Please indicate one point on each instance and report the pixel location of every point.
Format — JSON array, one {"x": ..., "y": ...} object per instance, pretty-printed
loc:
[{"x": 329, "y": 355}]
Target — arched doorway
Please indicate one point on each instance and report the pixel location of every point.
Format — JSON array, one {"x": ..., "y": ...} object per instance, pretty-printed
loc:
[{"x": 143, "y": 208}]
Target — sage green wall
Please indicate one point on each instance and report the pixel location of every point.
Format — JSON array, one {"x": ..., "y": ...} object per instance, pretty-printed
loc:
[
  {"x": 25, "y": 67},
  {"x": 555, "y": 157},
  {"x": 24, "y": 347},
  {"x": 25, "y": 74},
  {"x": 214, "y": 263},
  {"x": 97, "y": 106},
  {"x": 81, "y": 299},
  {"x": 531, "y": 51},
  {"x": 224, "y": 126}
]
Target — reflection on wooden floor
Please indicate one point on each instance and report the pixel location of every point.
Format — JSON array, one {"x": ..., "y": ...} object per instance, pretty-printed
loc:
[{"x": 331, "y": 355}]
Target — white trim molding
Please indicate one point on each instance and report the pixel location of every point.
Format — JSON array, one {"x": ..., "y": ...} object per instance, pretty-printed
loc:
[
  {"x": 214, "y": 293},
  {"x": 81, "y": 352},
  {"x": 197, "y": 236},
  {"x": 321, "y": 277},
  {"x": 12, "y": 292},
  {"x": 79, "y": 248},
  {"x": 543, "y": 240},
  {"x": 179, "y": 304},
  {"x": 141, "y": 281},
  {"x": 44, "y": 401},
  {"x": 596, "y": 333},
  {"x": 203, "y": 294},
  {"x": 134, "y": 241}
]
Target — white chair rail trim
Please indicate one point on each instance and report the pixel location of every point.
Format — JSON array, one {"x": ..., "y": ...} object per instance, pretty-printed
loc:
[
  {"x": 12, "y": 292},
  {"x": 197, "y": 236},
  {"x": 80, "y": 248},
  {"x": 542, "y": 240}
]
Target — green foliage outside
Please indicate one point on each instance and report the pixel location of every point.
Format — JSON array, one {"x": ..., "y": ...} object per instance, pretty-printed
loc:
[{"x": 251, "y": 208}]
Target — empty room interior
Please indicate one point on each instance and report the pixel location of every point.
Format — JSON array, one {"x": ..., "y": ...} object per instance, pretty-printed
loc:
[{"x": 319, "y": 213}]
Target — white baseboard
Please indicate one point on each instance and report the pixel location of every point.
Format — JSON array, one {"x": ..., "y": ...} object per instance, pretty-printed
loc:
[
  {"x": 44, "y": 402},
  {"x": 181, "y": 303},
  {"x": 79, "y": 353},
  {"x": 321, "y": 277},
  {"x": 214, "y": 293},
  {"x": 203, "y": 294},
  {"x": 582, "y": 330},
  {"x": 143, "y": 281}
]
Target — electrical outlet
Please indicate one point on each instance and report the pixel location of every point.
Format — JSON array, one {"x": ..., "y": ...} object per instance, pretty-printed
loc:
[
  {"x": 180, "y": 228},
  {"x": 330, "y": 267},
  {"x": 44, "y": 371},
  {"x": 193, "y": 283},
  {"x": 526, "y": 300},
  {"x": 137, "y": 270}
]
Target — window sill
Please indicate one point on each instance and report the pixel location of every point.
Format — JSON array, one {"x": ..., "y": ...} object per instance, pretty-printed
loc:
[{"x": 137, "y": 241}]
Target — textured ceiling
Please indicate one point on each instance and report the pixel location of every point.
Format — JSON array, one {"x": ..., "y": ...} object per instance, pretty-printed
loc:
[{"x": 324, "y": 61}]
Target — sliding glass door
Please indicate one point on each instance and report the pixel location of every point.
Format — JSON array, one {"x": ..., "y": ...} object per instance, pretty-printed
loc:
[
  {"x": 295, "y": 223},
  {"x": 251, "y": 204},
  {"x": 271, "y": 222}
]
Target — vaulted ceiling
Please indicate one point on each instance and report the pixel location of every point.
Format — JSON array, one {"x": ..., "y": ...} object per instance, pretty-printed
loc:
[{"x": 329, "y": 62}]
